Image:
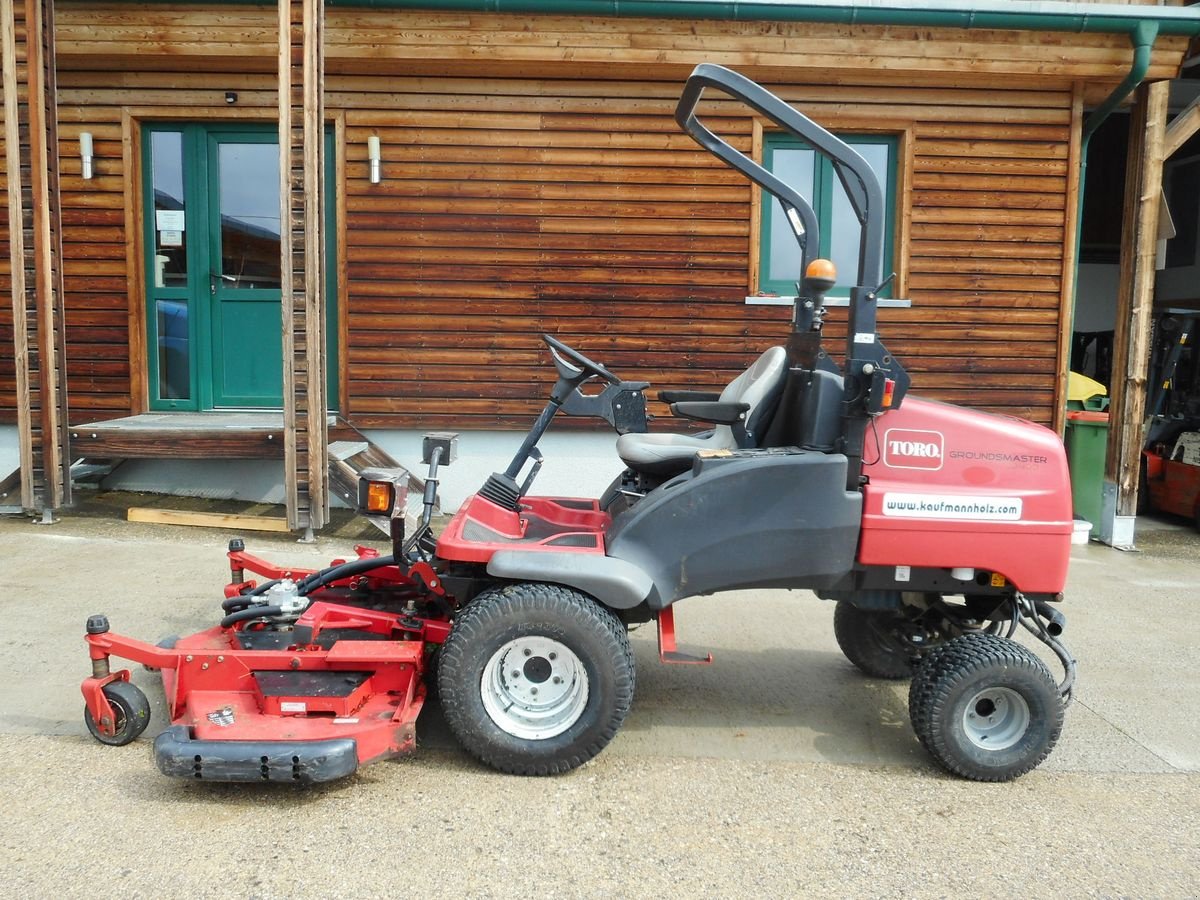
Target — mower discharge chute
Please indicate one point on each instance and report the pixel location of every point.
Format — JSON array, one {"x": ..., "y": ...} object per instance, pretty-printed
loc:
[{"x": 937, "y": 530}]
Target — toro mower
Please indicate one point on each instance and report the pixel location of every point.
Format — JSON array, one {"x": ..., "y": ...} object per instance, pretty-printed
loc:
[{"x": 938, "y": 531}]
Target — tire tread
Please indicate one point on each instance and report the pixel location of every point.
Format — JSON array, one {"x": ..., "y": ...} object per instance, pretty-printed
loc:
[
  {"x": 943, "y": 669},
  {"x": 487, "y": 613}
]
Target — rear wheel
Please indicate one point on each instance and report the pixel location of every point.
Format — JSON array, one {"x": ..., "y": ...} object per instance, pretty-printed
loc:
[
  {"x": 985, "y": 707},
  {"x": 535, "y": 679},
  {"x": 873, "y": 640}
]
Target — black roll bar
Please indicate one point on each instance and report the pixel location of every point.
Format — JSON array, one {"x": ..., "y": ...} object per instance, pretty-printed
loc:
[{"x": 854, "y": 173}]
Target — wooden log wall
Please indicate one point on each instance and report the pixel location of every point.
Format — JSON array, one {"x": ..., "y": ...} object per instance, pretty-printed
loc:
[
  {"x": 580, "y": 210},
  {"x": 534, "y": 180}
]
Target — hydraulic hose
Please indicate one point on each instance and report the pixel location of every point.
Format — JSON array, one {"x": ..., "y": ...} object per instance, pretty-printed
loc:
[
  {"x": 1055, "y": 621},
  {"x": 242, "y": 606},
  {"x": 345, "y": 570},
  {"x": 254, "y": 612}
]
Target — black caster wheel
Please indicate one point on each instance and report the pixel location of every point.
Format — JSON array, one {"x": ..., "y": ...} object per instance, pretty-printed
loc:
[{"x": 132, "y": 711}]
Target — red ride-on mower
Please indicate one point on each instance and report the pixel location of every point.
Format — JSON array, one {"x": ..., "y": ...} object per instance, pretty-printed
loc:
[{"x": 938, "y": 532}]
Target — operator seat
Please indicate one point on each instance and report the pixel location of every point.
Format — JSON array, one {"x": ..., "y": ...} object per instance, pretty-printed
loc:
[{"x": 668, "y": 454}]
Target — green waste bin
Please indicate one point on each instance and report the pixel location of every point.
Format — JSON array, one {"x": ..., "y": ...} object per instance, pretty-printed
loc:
[{"x": 1087, "y": 441}]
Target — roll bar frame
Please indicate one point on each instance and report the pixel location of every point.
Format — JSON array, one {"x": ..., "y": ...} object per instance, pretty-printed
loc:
[{"x": 857, "y": 177}]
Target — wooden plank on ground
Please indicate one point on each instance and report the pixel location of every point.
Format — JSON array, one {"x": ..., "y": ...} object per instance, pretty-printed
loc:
[{"x": 206, "y": 519}]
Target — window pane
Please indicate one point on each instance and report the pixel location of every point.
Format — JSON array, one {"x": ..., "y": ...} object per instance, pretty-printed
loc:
[
  {"x": 846, "y": 234},
  {"x": 174, "y": 378},
  {"x": 250, "y": 214},
  {"x": 170, "y": 227},
  {"x": 794, "y": 167}
]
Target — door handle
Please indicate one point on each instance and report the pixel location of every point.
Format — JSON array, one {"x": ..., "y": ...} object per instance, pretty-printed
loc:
[{"x": 219, "y": 277}]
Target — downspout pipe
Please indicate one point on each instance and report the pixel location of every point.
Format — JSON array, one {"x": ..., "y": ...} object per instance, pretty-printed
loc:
[{"x": 1142, "y": 37}]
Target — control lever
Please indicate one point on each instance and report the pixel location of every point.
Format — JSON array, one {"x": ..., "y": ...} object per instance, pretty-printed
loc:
[{"x": 879, "y": 290}]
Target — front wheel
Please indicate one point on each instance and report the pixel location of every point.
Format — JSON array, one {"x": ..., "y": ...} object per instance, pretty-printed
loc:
[
  {"x": 131, "y": 710},
  {"x": 535, "y": 679},
  {"x": 985, "y": 707}
]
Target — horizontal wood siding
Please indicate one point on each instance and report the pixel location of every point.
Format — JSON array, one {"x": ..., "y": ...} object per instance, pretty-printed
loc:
[
  {"x": 534, "y": 180},
  {"x": 578, "y": 209}
]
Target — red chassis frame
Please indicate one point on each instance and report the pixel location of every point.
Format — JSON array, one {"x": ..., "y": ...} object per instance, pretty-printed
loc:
[{"x": 214, "y": 691}]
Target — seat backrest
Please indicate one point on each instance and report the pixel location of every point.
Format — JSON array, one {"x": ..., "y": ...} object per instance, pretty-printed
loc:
[{"x": 760, "y": 386}]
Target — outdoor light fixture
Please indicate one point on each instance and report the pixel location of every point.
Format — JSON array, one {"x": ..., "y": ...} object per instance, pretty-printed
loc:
[
  {"x": 373, "y": 157},
  {"x": 85, "y": 153}
]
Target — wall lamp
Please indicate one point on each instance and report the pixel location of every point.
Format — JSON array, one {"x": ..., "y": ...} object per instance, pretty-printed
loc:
[
  {"x": 373, "y": 157},
  {"x": 85, "y": 153}
]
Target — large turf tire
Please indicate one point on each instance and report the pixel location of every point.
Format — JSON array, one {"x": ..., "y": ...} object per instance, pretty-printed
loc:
[
  {"x": 868, "y": 640},
  {"x": 500, "y": 646},
  {"x": 985, "y": 707}
]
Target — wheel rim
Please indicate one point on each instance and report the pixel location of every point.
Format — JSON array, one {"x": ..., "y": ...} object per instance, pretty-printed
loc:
[
  {"x": 534, "y": 688},
  {"x": 996, "y": 718}
]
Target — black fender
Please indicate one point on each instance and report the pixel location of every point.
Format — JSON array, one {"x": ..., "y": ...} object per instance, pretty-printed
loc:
[{"x": 616, "y": 583}]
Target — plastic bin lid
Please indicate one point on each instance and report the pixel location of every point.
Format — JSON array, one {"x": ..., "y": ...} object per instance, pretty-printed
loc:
[
  {"x": 1081, "y": 388},
  {"x": 1087, "y": 415}
]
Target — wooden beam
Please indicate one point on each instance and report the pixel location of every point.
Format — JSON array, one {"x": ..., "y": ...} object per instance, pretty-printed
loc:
[
  {"x": 1067, "y": 294},
  {"x": 31, "y": 145},
  {"x": 48, "y": 268},
  {"x": 1182, "y": 127},
  {"x": 205, "y": 519},
  {"x": 16, "y": 238},
  {"x": 1135, "y": 302},
  {"x": 302, "y": 203}
]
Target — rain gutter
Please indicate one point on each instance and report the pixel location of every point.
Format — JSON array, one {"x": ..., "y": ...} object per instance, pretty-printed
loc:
[{"x": 1022, "y": 15}]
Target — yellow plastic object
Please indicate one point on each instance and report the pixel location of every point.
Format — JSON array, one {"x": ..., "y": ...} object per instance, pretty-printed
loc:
[{"x": 1080, "y": 388}]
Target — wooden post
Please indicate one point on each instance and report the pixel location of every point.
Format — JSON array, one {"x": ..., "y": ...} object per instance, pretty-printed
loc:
[
  {"x": 1181, "y": 129},
  {"x": 1070, "y": 261},
  {"x": 31, "y": 146},
  {"x": 1135, "y": 304},
  {"x": 302, "y": 197}
]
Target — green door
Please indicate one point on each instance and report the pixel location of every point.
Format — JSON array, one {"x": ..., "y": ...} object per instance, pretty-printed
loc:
[{"x": 212, "y": 268}]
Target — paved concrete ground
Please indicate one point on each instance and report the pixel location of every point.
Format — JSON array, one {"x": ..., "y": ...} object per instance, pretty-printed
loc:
[{"x": 777, "y": 770}]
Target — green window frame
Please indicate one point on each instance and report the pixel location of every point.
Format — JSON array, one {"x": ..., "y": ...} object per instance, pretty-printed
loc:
[{"x": 812, "y": 175}]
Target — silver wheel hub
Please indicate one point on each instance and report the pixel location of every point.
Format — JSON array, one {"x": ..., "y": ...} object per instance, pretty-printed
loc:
[
  {"x": 996, "y": 718},
  {"x": 534, "y": 688}
]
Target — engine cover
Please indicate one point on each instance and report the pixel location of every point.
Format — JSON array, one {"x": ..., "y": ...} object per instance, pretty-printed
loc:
[{"x": 952, "y": 487}]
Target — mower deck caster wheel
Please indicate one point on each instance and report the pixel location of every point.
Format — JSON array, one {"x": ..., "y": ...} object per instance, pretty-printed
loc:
[
  {"x": 132, "y": 711},
  {"x": 535, "y": 679},
  {"x": 985, "y": 707},
  {"x": 868, "y": 639}
]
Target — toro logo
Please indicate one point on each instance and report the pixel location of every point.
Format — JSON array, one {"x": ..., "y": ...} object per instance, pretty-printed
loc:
[{"x": 905, "y": 448}]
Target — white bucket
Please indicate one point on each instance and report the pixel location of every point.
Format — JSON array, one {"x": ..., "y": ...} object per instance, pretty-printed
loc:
[{"x": 1083, "y": 530}]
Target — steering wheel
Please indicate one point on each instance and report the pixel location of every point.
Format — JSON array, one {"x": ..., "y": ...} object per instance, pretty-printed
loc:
[{"x": 573, "y": 365}]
